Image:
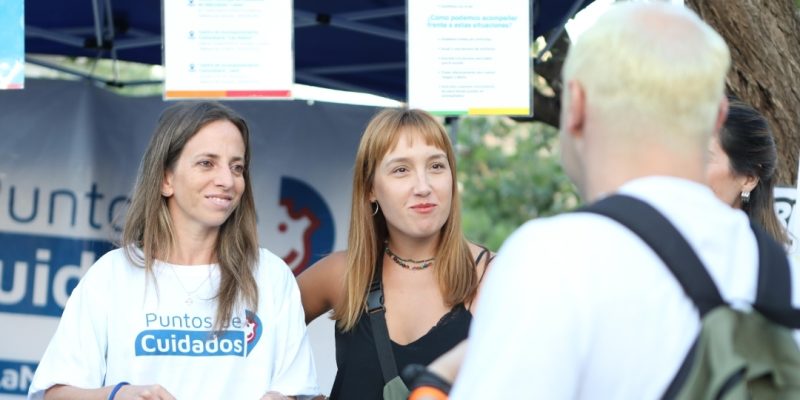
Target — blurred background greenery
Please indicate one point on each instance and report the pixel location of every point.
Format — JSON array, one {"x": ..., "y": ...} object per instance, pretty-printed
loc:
[{"x": 508, "y": 172}]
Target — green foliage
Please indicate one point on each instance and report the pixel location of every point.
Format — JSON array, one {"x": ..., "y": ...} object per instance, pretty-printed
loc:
[
  {"x": 105, "y": 70},
  {"x": 508, "y": 173}
]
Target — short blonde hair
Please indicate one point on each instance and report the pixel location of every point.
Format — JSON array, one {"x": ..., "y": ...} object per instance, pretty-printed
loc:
[{"x": 651, "y": 68}]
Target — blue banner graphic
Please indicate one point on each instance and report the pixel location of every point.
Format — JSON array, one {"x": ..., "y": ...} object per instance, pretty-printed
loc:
[{"x": 38, "y": 273}]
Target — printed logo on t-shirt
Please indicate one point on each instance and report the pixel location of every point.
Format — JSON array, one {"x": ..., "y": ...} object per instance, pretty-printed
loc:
[{"x": 186, "y": 335}]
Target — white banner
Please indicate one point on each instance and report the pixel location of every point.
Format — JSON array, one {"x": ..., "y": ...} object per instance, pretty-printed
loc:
[
  {"x": 793, "y": 220},
  {"x": 70, "y": 157}
]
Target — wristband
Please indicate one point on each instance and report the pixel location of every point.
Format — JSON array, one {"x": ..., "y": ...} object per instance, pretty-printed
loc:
[
  {"x": 116, "y": 389},
  {"x": 418, "y": 376}
]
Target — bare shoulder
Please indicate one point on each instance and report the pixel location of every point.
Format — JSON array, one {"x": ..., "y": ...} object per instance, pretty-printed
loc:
[
  {"x": 322, "y": 284},
  {"x": 485, "y": 257},
  {"x": 329, "y": 264},
  {"x": 329, "y": 268}
]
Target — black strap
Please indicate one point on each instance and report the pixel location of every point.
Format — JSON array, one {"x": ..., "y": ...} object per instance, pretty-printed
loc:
[
  {"x": 773, "y": 296},
  {"x": 489, "y": 257},
  {"x": 683, "y": 373},
  {"x": 655, "y": 230},
  {"x": 483, "y": 252},
  {"x": 774, "y": 293},
  {"x": 418, "y": 375},
  {"x": 377, "y": 317},
  {"x": 774, "y": 290}
]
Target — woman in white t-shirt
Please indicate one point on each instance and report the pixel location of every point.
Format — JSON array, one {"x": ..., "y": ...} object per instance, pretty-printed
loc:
[{"x": 189, "y": 306}]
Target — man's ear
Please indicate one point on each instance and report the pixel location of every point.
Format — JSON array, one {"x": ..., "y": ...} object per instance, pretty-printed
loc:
[
  {"x": 722, "y": 114},
  {"x": 576, "y": 109}
]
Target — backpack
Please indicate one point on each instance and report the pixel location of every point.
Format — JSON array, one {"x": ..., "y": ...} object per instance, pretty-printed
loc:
[{"x": 738, "y": 354}]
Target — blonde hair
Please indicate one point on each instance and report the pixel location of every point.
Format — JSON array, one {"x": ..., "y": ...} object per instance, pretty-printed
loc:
[
  {"x": 454, "y": 269},
  {"x": 651, "y": 68},
  {"x": 148, "y": 232}
]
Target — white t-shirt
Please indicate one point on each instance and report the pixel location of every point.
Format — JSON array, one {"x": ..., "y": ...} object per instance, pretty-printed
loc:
[
  {"x": 578, "y": 307},
  {"x": 119, "y": 326}
]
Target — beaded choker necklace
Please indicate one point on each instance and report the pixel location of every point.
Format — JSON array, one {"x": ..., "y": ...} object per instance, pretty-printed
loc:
[{"x": 404, "y": 262}]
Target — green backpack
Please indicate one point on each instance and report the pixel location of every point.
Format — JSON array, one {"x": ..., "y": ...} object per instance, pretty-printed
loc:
[{"x": 738, "y": 354}]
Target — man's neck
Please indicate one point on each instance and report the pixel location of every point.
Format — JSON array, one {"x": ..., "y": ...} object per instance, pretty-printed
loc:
[{"x": 609, "y": 175}]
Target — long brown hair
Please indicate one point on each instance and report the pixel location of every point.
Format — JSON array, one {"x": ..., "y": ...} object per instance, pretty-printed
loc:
[
  {"x": 454, "y": 269},
  {"x": 747, "y": 140},
  {"x": 148, "y": 232}
]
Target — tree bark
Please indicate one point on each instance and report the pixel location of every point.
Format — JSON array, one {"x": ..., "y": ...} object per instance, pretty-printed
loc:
[
  {"x": 764, "y": 39},
  {"x": 547, "y": 105}
]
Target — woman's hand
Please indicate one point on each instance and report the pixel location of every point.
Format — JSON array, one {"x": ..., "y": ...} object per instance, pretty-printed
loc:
[
  {"x": 125, "y": 392},
  {"x": 275, "y": 396},
  {"x": 143, "y": 392}
]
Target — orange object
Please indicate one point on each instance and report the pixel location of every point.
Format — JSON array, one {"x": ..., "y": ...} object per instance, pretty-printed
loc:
[{"x": 427, "y": 393}]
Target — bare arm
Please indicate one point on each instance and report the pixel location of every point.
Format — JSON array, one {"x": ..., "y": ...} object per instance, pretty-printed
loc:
[
  {"x": 127, "y": 392},
  {"x": 321, "y": 285},
  {"x": 448, "y": 364}
]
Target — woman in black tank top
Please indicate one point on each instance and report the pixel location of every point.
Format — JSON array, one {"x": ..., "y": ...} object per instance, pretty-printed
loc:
[{"x": 405, "y": 249}]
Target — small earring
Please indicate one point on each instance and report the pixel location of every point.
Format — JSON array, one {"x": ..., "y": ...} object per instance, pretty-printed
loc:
[
  {"x": 377, "y": 207},
  {"x": 746, "y": 197},
  {"x": 166, "y": 194}
]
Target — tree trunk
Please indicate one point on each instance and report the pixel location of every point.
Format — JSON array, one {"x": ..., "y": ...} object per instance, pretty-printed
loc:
[
  {"x": 764, "y": 39},
  {"x": 547, "y": 103}
]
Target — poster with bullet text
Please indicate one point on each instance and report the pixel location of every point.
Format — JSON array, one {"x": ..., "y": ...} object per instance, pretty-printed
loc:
[
  {"x": 470, "y": 57},
  {"x": 232, "y": 49}
]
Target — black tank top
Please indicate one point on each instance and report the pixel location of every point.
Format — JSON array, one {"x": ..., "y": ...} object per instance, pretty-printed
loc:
[{"x": 359, "y": 373}]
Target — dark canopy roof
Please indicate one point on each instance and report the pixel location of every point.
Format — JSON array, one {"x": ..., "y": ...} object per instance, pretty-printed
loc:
[{"x": 355, "y": 45}]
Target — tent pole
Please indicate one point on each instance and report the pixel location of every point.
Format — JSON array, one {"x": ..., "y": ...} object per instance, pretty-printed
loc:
[
  {"x": 111, "y": 38},
  {"x": 98, "y": 23},
  {"x": 559, "y": 30}
]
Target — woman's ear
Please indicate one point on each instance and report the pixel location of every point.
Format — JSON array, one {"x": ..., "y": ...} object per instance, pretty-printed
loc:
[
  {"x": 166, "y": 185},
  {"x": 749, "y": 182}
]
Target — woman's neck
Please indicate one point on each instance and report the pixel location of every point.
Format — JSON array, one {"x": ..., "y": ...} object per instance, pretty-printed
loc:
[
  {"x": 411, "y": 248},
  {"x": 193, "y": 248}
]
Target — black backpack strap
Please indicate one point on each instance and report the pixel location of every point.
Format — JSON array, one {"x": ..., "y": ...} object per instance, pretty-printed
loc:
[
  {"x": 774, "y": 293},
  {"x": 773, "y": 298},
  {"x": 667, "y": 242},
  {"x": 377, "y": 318}
]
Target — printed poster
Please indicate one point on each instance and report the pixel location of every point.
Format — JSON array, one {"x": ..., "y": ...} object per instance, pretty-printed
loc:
[
  {"x": 230, "y": 49},
  {"x": 470, "y": 57}
]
